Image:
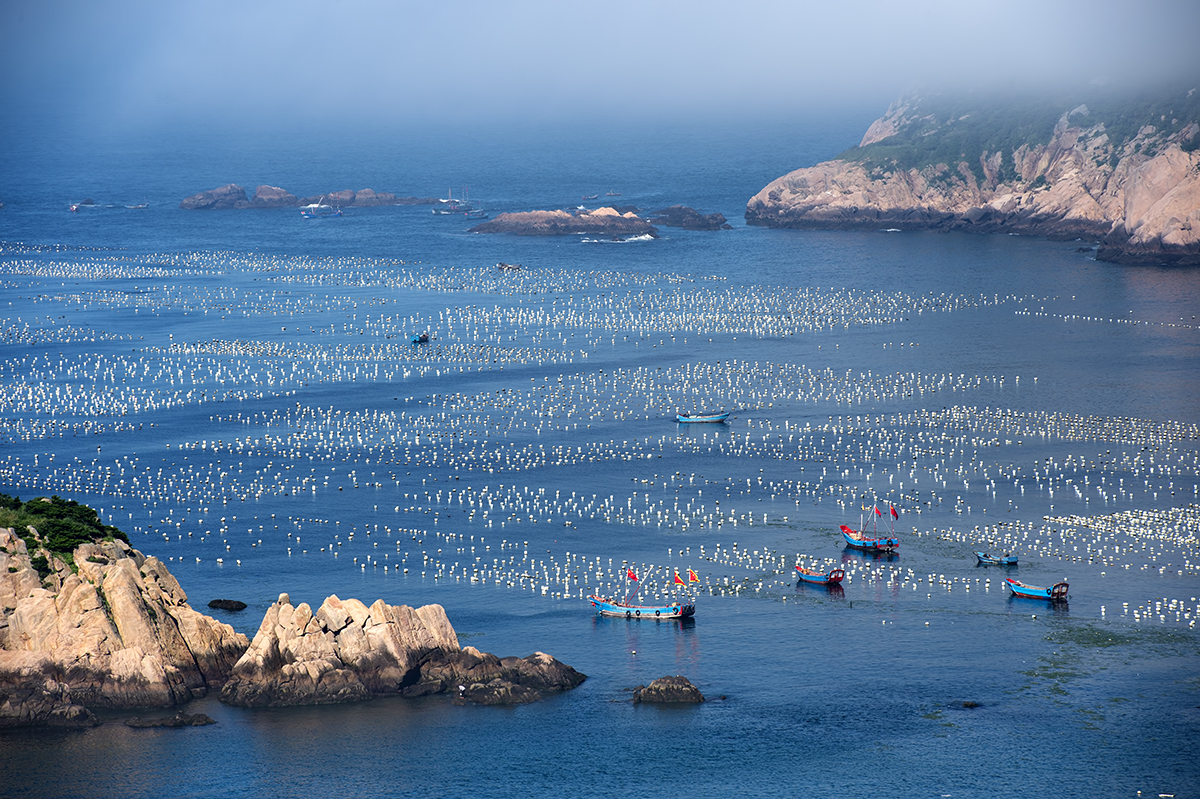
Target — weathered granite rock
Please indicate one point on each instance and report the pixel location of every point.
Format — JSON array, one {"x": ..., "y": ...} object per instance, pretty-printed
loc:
[
  {"x": 273, "y": 197},
  {"x": 496, "y": 692},
  {"x": 118, "y": 632},
  {"x": 601, "y": 222},
  {"x": 228, "y": 196},
  {"x": 365, "y": 198},
  {"x": 668, "y": 690},
  {"x": 180, "y": 719},
  {"x": 1140, "y": 196},
  {"x": 689, "y": 219},
  {"x": 227, "y": 604},
  {"x": 347, "y": 652}
]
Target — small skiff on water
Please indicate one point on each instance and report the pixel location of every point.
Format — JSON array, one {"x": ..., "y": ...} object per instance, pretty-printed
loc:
[
  {"x": 996, "y": 560},
  {"x": 615, "y": 607},
  {"x": 704, "y": 418},
  {"x": 831, "y": 577},
  {"x": 1056, "y": 593}
]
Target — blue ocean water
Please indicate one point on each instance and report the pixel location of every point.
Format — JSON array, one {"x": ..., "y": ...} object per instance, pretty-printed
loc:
[{"x": 1064, "y": 393}]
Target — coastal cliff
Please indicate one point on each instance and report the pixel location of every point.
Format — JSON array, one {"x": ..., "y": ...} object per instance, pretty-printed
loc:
[
  {"x": 1120, "y": 171},
  {"x": 98, "y": 626}
]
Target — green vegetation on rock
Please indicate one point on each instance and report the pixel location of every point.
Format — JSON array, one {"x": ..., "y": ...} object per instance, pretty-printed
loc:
[
  {"x": 61, "y": 524},
  {"x": 944, "y": 128}
]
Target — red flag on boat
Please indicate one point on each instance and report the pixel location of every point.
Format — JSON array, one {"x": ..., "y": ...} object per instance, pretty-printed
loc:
[
  {"x": 678, "y": 579},
  {"x": 878, "y": 512},
  {"x": 895, "y": 515},
  {"x": 629, "y": 573},
  {"x": 692, "y": 578}
]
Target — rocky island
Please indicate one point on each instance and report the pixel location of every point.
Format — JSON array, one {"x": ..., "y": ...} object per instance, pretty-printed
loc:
[
  {"x": 600, "y": 222},
  {"x": 1120, "y": 171},
  {"x": 88, "y": 622},
  {"x": 232, "y": 195}
]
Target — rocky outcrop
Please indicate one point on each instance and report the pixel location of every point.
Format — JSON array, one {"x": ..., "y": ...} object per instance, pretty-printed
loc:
[
  {"x": 348, "y": 652},
  {"x": 668, "y": 690},
  {"x": 1138, "y": 193},
  {"x": 234, "y": 196},
  {"x": 180, "y": 719},
  {"x": 600, "y": 222},
  {"x": 230, "y": 195},
  {"x": 272, "y": 197},
  {"x": 227, "y": 604},
  {"x": 106, "y": 628},
  {"x": 689, "y": 219}
]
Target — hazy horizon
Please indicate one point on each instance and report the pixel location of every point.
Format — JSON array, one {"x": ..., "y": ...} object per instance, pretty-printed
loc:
[{"x": 133, "y": 65}]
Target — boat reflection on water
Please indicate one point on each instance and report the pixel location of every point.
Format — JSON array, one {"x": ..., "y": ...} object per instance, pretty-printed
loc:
[{"x": 833, "y": 590}]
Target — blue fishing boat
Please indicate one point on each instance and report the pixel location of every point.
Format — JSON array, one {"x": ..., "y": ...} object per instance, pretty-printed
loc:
[
  {"x": 420, "y": 338},
  {"x": 1055, "y": 593},
  {"x": 701, "y": 418},
  {"x": 873, "y": 541},
  {"x": 996, "y": 560},
  {"x": 831, "y": 577},
  {"x": 680, "y": 609},
  {"x": 319, "y": 210}
]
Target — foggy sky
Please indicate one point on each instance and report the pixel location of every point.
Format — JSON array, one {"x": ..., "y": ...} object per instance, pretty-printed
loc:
[{"x": 133, "y": 63}]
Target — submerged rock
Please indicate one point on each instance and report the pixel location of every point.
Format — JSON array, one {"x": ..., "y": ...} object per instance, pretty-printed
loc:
[
  {"x": 180, "y": 719},
  {"x": 689, "y": 219},
  {"x": 227, "y": 604},
  {"x": 668, "y": 690}
]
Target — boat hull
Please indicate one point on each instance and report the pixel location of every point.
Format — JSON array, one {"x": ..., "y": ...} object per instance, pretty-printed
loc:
[
  {"x": 869, "y": 543},
  {"x": 1056, "y": 593},
  {"x": 611, "y": 607},
  {"x": 994, "y": 560},
  {"x": 831, "y": 577},
  {"x": 701, "y": 418}
]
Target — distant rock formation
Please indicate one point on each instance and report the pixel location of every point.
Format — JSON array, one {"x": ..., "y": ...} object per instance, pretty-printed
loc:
[
  {"x": 227, "y": 604},
  {"x": 600, "y": 222},
  {"x": 234, "y": 196},
  {"x": 689, "y": 219},
  {"x": 230, "y": 195},
  {"x": 944, "y": 163},
  {"x": 106, "y": 627},
  {"x": 668, "y": 690},
  {"x": 348, "y": 652}
]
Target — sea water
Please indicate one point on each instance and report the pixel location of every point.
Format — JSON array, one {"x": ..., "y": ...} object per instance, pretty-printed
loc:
[{"x": 239, "y": 385}]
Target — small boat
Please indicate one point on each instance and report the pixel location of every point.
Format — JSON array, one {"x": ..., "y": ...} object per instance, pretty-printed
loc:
[
  {"x": 831, "y": 577},
  {"x": 453, "y": 206},
  {"x": 319, "y": 210},
  {"x": 503, "y": 267},
  {"x": 476, "y": 213},
  {"x": 591, "y": 197},
  {"x": 680, "y": 609},
  {"x": 420, "y": 338},
  {"x": 996, "y": 560},
  {"x": 611, "y": 193},
  {"x": 701, "y": 418},
  {"x": 138, "y": 206},
  {"x": 1055, "y": 593},
  {"x": 873, "y": 541}
]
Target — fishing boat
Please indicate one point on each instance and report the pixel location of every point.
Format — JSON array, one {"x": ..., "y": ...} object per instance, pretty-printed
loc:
[
  {"x": 872, "y": 542},
  {"x": 476, "y": 213},
  {"x": 138, "y": 206},
  {"x": 701, "y": 418},
  {"x": 1055, "y": 593},
  {"x": 679, "y": 609},
  {"x": 996, "y": 560},
  {"x": 319, "y": 210},
  {"x": 420, "y": 338},
  {"x": 831, "y": 577},
  {"x": 453, "y": 206}
]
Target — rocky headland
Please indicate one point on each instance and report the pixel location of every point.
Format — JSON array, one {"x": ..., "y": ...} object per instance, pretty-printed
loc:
[
  {"x": 600, "y": 222},
  {"x": 98, "y": 625},
  {"x": 234, "y": 196},
  {"x": 1121, "y": 171},
  {"x": 87, "y": 622}
]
